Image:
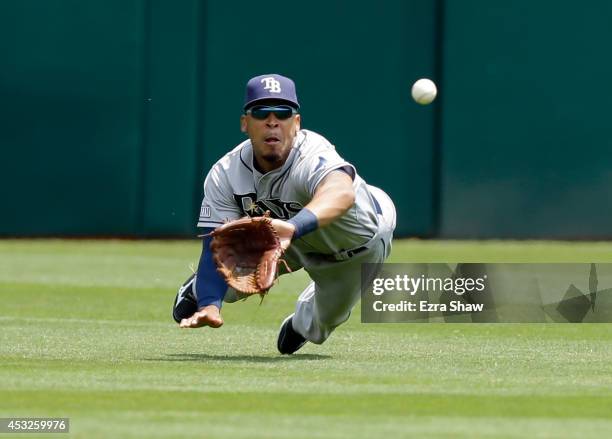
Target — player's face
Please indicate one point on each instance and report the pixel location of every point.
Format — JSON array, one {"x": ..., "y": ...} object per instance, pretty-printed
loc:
[{"x": 271, "y": 137}]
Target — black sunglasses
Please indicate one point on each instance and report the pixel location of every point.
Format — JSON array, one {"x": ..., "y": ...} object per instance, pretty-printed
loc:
[{"x": 261, "y": 112}]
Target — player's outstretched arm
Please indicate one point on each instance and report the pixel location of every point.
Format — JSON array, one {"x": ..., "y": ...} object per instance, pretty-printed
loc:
[{"x": 332, "y": 198}]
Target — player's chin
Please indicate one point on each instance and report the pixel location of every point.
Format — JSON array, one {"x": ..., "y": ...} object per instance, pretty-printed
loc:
[{"x": 272, "y": 157}]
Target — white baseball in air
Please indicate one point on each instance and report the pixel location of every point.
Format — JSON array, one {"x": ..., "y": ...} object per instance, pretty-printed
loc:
[{"x": 424, "y": 91}]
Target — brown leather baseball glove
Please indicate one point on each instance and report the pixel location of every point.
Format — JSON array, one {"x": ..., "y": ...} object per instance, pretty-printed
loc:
[{"x": 247, "y": 253}]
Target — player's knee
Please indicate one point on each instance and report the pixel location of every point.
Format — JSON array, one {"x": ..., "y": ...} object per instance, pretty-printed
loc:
[
  {"x": 322, "y": 332},
  {"x": 325, "y": 326},
  {"x": 319, "y": 337},
  {"x": 331, "y": 322}
]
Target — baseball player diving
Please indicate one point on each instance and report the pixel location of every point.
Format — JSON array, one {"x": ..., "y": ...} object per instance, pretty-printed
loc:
[{"x": 327, "y": 219}]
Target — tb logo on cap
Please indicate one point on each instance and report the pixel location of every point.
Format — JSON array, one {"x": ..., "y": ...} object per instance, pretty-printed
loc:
[{"x": 271, "y": 84}]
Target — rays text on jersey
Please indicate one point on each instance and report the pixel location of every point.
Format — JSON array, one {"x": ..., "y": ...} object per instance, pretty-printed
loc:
[{"x": 251, "y": 206}]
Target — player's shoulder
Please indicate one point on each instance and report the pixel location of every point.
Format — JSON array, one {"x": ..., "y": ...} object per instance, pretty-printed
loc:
[
  {"x": 312, "y": 143},
  {"x": 234, "y": 159},
  {"x": 234, "y": 167}
]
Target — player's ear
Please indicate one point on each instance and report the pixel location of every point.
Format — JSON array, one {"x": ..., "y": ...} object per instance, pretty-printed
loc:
[
  {"x": 298, "y": 122},
  {"x": 243, "y": 123}
]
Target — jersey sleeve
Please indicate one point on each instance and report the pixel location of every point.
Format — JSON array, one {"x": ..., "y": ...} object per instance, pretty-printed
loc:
[
  {"x": 317, "y": 166},
  {"x": 218, "y": 204}
]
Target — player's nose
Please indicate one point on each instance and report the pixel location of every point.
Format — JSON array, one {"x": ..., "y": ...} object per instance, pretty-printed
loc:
[{"x": 272, "y": 121}]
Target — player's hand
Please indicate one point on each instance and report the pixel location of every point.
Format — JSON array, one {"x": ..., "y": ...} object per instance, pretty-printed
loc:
[
  {"x": 285, "y": 232},
  {"x": 206, "y": 316}
]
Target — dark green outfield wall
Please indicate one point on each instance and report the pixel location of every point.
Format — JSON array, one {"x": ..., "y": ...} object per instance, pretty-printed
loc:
[
  {"x": 70, "y": 93},
  {"x": 98, "y": 112},
  {"x": 112, "y": 111},
  {"x": 527, "y": 132}
]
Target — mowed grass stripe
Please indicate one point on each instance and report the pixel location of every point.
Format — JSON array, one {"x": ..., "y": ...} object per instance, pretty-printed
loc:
[
  {"x": 437, "y": 361},
  {"x": 311, "y": 404}
]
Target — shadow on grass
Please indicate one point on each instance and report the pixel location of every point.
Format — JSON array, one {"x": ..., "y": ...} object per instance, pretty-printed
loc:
[{"x": 250, "y": 358}]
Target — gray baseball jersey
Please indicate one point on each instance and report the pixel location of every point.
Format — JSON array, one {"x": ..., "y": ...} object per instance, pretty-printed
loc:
[{"x": 234, "y": 188}]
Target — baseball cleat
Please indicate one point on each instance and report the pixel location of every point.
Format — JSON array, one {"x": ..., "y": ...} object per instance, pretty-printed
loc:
[
  {"x": 289, "y": 341},
  {"x": 185, "y": 303}
]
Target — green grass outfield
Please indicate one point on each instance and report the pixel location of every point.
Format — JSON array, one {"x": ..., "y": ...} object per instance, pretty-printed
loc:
[{"x": 86, "y": 333}]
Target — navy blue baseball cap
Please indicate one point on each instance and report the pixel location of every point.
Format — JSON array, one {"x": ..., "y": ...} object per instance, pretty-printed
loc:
[{"x": 272, "y": 86}]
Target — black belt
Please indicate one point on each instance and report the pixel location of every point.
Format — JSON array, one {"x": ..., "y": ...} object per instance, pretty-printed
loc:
[
  {"x": 353, "y": 252},
  {"x": 343, "y": 255}
]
